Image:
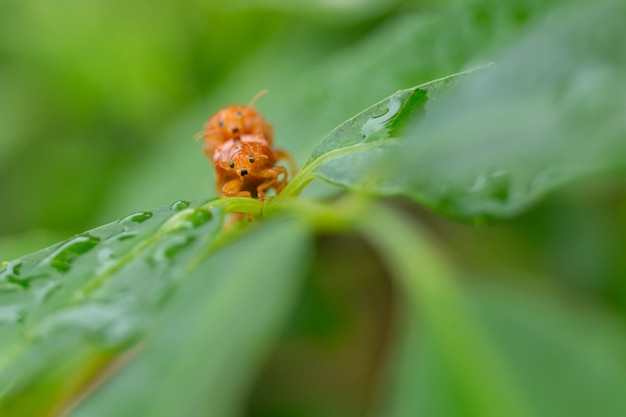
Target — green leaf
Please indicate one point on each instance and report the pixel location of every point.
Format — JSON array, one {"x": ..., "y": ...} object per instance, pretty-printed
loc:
[
  {"x": 440, "y": 310},
  {"x": 481, "y": 351},
  {"x": 354, "y": 149},
  {"x": 550, "y": 112},
  {"x": 566, "y": 361},
  {"x": 213, "y": 336},
  {"x": 67, "y": 310}
]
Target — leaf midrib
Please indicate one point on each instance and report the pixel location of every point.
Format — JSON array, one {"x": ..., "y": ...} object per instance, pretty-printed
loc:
[{"x": 306, "y": 173}]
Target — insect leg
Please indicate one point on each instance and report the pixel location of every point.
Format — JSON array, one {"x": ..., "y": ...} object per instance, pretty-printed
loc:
[
  {"x": 272, "y": 175},
  {"x": 232, "y": 188},
  {"x": 280, "y": 154}
]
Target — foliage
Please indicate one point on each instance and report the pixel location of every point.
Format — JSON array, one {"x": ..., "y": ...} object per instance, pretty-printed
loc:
[{"x": 180, "y": 311}]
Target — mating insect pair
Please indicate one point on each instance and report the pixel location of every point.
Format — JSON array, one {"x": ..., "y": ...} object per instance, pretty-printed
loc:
[{"x": 238, "y": 141}]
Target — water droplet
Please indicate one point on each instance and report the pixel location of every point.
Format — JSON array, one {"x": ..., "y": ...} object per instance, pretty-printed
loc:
[
  {"x": 378, "y": 124},
  {"x": 12, "y": 273},
  {"x": 479, "y": 184},
  {"x": 23, "y": 282},
  {"x": 138, "y": 217},
  {"x": 120, "y": 237},
  {"x": 499, "y": 186},
  {"x": 495, "y": 185},
  {"x": 179, "y": 205},
  {"x": 167, "y": 250},
  {"x": 188, "y": 219},
  {"x": 62, "y": 258},
  {"x": 12, "y": 268},
  {"x": 382, "y": 113},
  {"x": 199, "y": 217}
]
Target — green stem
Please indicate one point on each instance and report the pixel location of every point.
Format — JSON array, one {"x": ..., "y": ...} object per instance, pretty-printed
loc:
[
  {"x": 429, "y": 283},
  {"x": 307, "y": 172},
  {"x": 237, "y": 205}
]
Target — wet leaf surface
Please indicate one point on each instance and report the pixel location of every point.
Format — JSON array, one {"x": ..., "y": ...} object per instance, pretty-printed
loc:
[
  {"x": 64, "y": 311},
  {"x": 351, "y": 152},
  {"x": 211, "y": 339},
  {"x": 550, "y": 111}
]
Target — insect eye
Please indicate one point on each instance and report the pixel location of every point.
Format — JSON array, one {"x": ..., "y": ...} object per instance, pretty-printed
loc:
[
  {"x": 251, "y": 159},
  {"x": 232, "y": 164}
]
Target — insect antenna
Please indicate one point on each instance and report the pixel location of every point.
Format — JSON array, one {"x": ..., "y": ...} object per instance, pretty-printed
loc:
[{"x": 255, "y": 98}]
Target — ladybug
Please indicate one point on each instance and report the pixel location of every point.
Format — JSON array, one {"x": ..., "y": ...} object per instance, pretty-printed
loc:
[{"x": 238, "y": 141}]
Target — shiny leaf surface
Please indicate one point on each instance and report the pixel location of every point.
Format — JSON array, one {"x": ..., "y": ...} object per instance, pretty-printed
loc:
[
  {"x": 212, "y": 338},
  {"x": 66, "y": 310},
  {"x": 352, "y": 151}
]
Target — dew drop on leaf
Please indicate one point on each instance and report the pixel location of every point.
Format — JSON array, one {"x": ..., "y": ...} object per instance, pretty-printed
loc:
[
  {"x": 179, "y": 205},
  {"x": 62, "y": 258},
  {"x": 199, "y": 217},
  {"x": 23, "y": 282},
  {"x": 188, "y": 219},
  {"x": 12, "y": 273},
  {"x": 138, "y": 217},
  {"x": 379, "y": 122},
  {"x": 167, "y": 250},
  {"x": 119, "y": 237}
]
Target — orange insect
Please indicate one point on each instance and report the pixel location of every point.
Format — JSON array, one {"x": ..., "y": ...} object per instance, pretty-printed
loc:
[{"x": 239, "y": 142}]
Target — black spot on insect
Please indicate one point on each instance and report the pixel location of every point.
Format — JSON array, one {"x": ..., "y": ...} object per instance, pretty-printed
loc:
[
  {"x": 251, "y": 159},
  {"x": 232, "y": 164},
  {"x": 235, "y": 130},
  {"x": 239, "y": 114},
  {"x": 221, "y": 123}
]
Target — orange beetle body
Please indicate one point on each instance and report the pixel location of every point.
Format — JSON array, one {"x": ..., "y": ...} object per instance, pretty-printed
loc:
[
  {"x": 232, "y": 122},
  {"x": 245, "y": 167},
  {"x": 238, "y": 141}
]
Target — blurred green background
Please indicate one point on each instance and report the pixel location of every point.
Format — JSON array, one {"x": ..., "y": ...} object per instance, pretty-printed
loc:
[{"x": 100, "y": 101}]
